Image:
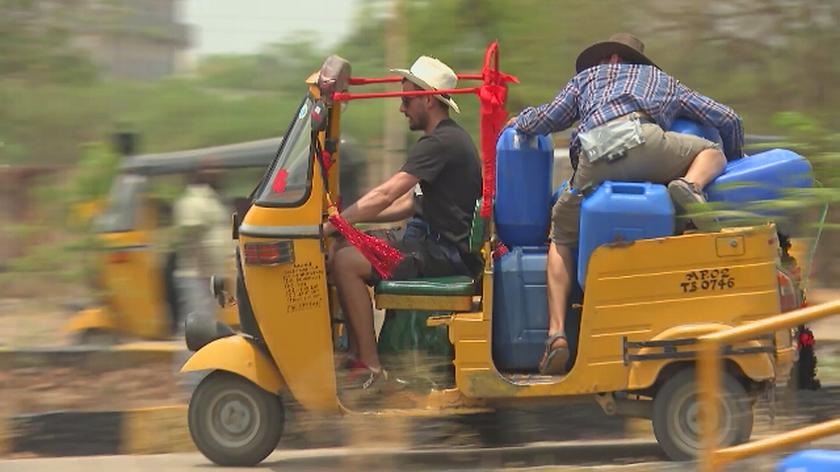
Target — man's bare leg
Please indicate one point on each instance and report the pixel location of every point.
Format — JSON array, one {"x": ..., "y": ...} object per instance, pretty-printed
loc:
[
  {"x": 559, "y": 284},
  {"x": 350, "y": 270},
  {"x": 705, "y": 167}
]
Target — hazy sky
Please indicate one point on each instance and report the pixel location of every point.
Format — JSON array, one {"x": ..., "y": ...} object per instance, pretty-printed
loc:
[{"x": 241, "y": 26}]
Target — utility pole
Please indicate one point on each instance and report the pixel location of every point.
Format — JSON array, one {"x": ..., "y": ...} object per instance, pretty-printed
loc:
[{"x": 396, "y": 52}]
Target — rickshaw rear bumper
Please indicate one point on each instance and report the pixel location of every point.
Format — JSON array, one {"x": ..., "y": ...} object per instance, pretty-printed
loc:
[{"x": 201, "y": 330}]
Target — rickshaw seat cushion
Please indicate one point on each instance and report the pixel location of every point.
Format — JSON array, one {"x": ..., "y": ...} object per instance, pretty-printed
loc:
[{"x": 449, "y": 285}]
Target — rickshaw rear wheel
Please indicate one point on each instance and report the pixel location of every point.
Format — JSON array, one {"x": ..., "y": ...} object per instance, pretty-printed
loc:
[
  {"x": 234, "y": 422},
  {"x": 676, "y": 415}
]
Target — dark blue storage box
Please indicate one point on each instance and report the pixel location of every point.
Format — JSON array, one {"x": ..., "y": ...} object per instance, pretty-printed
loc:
[{"x": 520, "y": 310}]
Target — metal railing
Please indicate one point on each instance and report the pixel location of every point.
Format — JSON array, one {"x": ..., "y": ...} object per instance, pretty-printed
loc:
[{"x": 709, "y": 382}]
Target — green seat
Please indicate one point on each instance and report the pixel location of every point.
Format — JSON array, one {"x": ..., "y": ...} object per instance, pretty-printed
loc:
[
  {"x": 451, "y": 293},
  {"x": 450, "y": 285}
]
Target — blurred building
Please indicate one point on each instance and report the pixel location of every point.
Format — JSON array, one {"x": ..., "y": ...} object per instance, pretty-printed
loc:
[{"x": 133, "y": 39}]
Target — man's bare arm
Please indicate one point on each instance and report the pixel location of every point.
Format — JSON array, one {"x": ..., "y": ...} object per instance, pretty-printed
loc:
[
  {"x": 373, "y": 203},
  {"x": 399, "y": 210}
]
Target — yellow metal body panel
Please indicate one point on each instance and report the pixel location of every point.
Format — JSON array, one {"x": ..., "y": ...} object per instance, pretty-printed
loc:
[
  {"x": 639, "y": 291},
  {"x": 643, "y": 374},
  {"x": 291, "y": 304},
  {"x": 131, "y": 274},
  {"x": 237, "y": 355}
]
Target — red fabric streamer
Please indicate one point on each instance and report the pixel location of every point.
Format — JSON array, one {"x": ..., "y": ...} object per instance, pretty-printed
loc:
[
  {"x": 806, "y": 339},
  {"x": 383, "y": 257},
  {"x": 493, "y": 95},
  {"x": 500, "y": 251},
  {"x": 327, "y": 160},
  {"x": 279, "y": 184}
]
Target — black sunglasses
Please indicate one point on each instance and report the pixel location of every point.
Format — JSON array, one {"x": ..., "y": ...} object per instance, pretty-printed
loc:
[{"x": 406, "y": 100}]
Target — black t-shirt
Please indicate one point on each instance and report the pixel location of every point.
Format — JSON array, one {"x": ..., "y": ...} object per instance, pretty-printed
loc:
[{"x": 446, "y": 162}]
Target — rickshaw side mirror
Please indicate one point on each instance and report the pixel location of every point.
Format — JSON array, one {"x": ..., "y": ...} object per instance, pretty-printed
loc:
[
  {"x": 240, "y": 207},
  {"x": 318, "y": 115},
  {"x": 334, "y": 76}
]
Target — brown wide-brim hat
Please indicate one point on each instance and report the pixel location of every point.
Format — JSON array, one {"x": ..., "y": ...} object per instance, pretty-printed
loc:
[{"x": 630, "y": 48}]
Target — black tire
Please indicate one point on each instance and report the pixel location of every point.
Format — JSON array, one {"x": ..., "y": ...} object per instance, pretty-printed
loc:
[
  {"x": 247, "y": 438},
  {"x": 676, "y": 419}
]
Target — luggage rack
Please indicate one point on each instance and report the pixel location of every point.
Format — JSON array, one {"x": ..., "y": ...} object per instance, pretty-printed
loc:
[{"x": 669, "y": 349}]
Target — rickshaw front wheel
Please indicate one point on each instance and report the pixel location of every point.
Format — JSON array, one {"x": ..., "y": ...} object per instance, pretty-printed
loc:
[
  {"x": 676, "y": 415},
  {"x": 234, "y": 422}
]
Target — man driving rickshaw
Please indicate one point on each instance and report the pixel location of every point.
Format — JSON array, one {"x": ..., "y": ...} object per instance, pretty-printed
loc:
[{"x": 444, "y": 162}]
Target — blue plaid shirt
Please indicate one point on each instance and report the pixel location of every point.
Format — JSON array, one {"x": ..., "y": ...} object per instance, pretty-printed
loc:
[{"x": 604, "y": 92}]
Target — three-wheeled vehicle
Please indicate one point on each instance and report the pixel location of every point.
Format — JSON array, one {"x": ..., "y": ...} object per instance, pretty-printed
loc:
[
  {"x": 136, "y": 262},
  {"x": 646, "y": 301}
]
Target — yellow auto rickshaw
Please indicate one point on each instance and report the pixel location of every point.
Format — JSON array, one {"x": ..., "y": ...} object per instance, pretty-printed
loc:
[
  {"x": 135, "y": 261},
  {"x": 644, "y": 306}
]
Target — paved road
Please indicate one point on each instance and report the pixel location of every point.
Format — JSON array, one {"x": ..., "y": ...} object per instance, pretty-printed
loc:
[
  {"x": 573, "y": 455},
  {"x": 615, "y": 456}
]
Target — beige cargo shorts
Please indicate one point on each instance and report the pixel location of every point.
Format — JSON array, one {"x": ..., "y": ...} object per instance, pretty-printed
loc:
[{"x": 663, "y": 157}]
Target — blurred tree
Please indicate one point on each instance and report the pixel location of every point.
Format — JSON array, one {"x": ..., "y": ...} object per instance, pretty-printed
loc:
[{"x": 34, "y": 46}]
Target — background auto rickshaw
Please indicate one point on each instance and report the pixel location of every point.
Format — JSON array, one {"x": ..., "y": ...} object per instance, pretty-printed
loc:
[
  {"x": 135, "y": 262},
  {"x": 632, "y": 334}
]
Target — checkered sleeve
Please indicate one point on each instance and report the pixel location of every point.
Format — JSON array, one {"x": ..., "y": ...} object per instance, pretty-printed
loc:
[
  {"x": 551, "y": 117},
  {"x": 709, "y": 112}
]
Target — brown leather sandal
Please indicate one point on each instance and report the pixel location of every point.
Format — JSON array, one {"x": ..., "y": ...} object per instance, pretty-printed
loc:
[{"x": 554, "y": 360}]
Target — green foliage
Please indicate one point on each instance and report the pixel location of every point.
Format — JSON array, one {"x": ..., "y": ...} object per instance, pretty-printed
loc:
[
  {"x": 94, "y": 173},
  {"x": 35, "y": 48},
  {"x": 775, "y": 64}
]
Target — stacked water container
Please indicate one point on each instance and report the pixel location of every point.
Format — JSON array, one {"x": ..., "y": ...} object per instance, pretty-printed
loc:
[
  {"x": 615, "y": 211},
  {"x": 524, "y": 166}
]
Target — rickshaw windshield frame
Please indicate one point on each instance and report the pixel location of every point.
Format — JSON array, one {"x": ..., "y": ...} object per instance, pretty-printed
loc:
[
  {"x": 295, "y": 156},
  {"x": 121, "y": 211}
]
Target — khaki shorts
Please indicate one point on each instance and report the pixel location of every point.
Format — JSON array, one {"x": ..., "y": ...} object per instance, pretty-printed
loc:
[{"x": 663, "y": 157}]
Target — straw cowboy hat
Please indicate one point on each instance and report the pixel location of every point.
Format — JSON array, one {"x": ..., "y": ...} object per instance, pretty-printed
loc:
[
  {"x": 629, "y": 47},
  {"x": 429, "y": 73}
]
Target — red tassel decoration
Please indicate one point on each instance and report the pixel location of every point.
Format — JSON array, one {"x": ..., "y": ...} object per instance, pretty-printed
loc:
[
  {"x": 382, "y": 256},
  {"x": 500, "y": 251}
]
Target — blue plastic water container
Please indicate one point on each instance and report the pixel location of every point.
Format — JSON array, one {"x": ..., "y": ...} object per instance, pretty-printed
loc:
[
  {"x": 624, "y": 211},
  {"x": 524, "y": 168},
  {"x": 763, "y": 176},
  {"x": 812, "y": 460},
  {"x": 520, "y": 310},
  {"x": 683, "y": 125}
]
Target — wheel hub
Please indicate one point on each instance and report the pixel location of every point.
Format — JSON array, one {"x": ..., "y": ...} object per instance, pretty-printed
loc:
[{"x": 235, "y": 417}]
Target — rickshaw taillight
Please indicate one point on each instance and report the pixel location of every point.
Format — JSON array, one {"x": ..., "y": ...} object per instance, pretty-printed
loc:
[
  {"x": 269, "y": 254},
  {"x": 789, "y": 299}
]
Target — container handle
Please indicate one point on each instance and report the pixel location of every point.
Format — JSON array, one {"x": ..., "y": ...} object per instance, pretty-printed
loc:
[{"x": 629, "y": 188}]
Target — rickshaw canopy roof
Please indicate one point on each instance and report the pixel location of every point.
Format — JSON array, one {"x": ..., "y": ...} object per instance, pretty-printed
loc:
[{"x": 248, "y": 154}]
